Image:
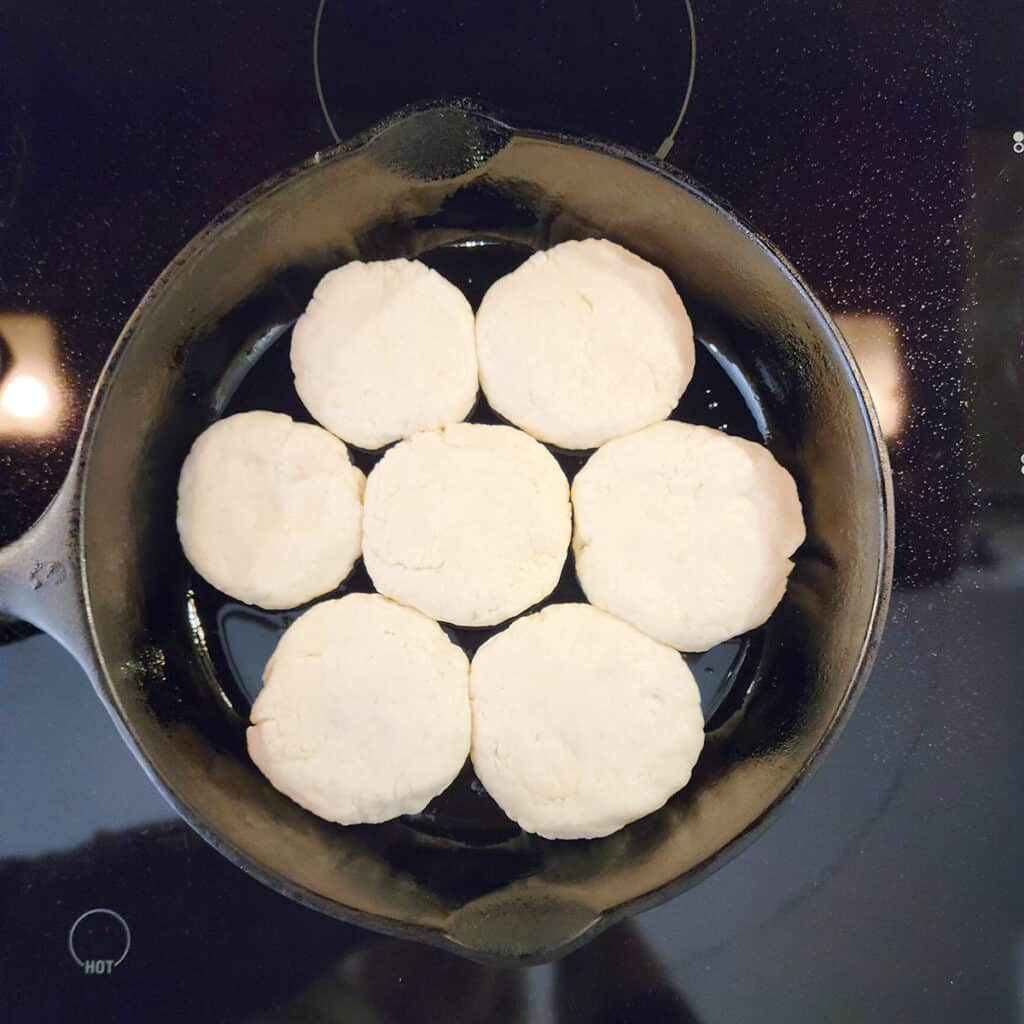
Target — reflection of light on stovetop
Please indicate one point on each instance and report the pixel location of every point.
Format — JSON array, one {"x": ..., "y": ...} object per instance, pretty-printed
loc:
[
  {"x": 542, "y": 70},
  {"x": 30, "y": 377},
  {"x": 874, "y": 341}
]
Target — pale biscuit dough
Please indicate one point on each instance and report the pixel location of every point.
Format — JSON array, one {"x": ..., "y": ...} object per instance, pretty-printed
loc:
[
  {"x": 269, "y": 510},
  {"x": 364, "y": 712},
  {"x": 582, "y": 343},
  {"x": 470, "y": 524},
  {"x": 685, "y": 532},
  {"x": 581, "y": 723},
  {"x": 385, "y": 350}
]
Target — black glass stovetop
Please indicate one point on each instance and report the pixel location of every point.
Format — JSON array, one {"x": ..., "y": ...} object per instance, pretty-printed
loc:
[{"x": 881, "y": 146}]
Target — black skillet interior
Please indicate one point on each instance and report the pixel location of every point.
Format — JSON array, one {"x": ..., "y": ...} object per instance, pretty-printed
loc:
[
  {"x": 181, "y": 662},
  {"x": 240, "y": 638}
]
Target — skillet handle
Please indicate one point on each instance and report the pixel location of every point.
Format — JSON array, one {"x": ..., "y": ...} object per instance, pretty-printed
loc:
[{"x": 40, "y": 580}]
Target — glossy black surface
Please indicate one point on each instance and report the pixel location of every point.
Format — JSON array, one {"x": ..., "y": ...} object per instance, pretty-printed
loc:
[{"x": 887, "y": 889}]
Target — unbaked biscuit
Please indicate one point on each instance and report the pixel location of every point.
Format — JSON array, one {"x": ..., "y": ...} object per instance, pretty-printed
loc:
[
  {"x": 581, "y": 723},
  {"x": 584, "y": 342},
  {"x": 364, "y": 712},
  {"x": 384, "y": 350},
  {"x": 686, "y": 532},
  {"x": 270, "y": 511},
  {"x": 469, "y": 524}
]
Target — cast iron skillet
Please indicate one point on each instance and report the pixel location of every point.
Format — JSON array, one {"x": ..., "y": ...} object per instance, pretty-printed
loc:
[{"x": 103, "y": 572}]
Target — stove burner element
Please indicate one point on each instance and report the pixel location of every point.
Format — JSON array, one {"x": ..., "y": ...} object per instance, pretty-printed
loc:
[
  {"x": 670, "y": 140},
  {"x": 540, "y": 72}
]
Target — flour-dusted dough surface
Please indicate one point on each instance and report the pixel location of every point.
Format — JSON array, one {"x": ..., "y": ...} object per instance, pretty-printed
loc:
[
  {"x": 269, "y": 510},
  {"x": 385, "y": 350},
  {"x": 364, "y": 712},
  {"x": 581, "y": 723},
  {"x": 685, "y": 532},
  {"x": 582, "y": 343},
  {"x": 470, "y": 524}
]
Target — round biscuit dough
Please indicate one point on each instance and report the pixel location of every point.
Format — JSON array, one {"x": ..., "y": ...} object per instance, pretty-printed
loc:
[
  {"x": 685, "y": 532},
  {"x": 385, "y": 350},
  {"x": 470, "y": 524},
  {"x": 584, "y": 342},
  {"x": 364, "y": 711},
  {"x": 269, "y": 510},
  {"x": 581, "y": 724}
]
